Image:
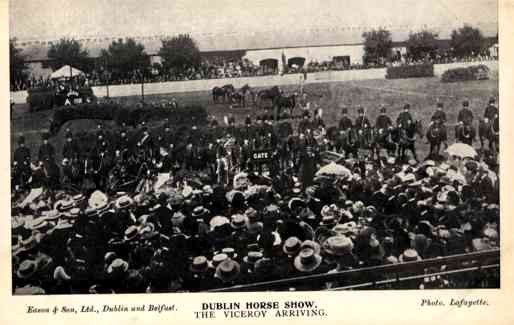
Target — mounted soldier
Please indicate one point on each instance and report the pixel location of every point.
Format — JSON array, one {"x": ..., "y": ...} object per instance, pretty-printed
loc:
[
  {"x": 436, "y": 133},
  {"x": 361, "y": 121},
  {"x": 464, "y": 131},
  {"x": 46, "y": 150},
  {"x": 345, "y": 122},
  {"x": 405, "y": 117},
  {"x": 491, "y": 110}
]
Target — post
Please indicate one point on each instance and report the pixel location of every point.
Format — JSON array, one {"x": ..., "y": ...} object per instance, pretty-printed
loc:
[{"x": 142, "y": 88}]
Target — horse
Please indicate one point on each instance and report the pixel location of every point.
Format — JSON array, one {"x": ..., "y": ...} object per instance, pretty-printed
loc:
[
  {"x": 268, "y": 94},
  {"x": 407, "y": 138},
  {"x": 465, "y": 133},
  {"x": 384, "y": 140},
  {"x": 366, "y": 142},
  {"x": 436, "y": 135},
  {"x": 281, "y": 102},
  {"x": 239, "y": 97},
  {"x": 343, "y": 140},
  {"x": 223, "y": 92},
  {"x": 489, "y": 130}
]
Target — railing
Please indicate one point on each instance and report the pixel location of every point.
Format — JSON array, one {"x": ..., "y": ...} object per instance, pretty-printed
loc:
[{"x": 385, "y": 274}]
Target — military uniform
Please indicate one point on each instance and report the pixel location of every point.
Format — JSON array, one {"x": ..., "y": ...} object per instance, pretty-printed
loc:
[
  {"x": 46, "y": 150},
  {"x": 345, "y": 122},
  {"x": 491, "y": 110},
  {"x": 465, "y": 114},
  {"x": 405, "y": 116},
  {"x": 383, "y": 121},
  {"x": 439, "y": 115},
  {"x": 361, "y": 121},
  {"x": 22, "y": 153}
]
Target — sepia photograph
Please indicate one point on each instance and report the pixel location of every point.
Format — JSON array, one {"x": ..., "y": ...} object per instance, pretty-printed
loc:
[{"x": 225, "y": 146}]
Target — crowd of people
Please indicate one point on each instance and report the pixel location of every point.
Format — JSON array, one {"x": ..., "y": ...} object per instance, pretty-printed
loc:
[
  {"x": 251, "y": 205},
  {"x": 216, "y": 68}
]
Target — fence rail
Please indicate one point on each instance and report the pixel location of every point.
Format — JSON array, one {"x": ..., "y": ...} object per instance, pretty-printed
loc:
[{"x": 460, "y": 263}]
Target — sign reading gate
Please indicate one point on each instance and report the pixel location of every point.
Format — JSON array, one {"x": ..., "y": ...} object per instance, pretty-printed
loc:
[{"x": 262, "y": 155}]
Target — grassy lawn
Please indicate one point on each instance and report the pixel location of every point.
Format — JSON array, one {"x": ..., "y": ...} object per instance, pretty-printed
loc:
[{"x": 422, "y": 94}]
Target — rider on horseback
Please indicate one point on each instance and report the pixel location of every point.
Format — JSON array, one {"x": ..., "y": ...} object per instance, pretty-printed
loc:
[
  {"x": 491, "y": 110},
  {"x": 439, "y": 115},
  {"x": 345, "y": 122},
  {"x": 361, "y": 121},
  {"x": 405, "y": 117},
  {"x": 383, "y": 120}
]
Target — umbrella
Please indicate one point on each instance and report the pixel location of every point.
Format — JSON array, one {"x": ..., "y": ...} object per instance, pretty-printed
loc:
[
  {"x": 66, "y": 72},
  {"x": 334, "y": 169},
  {"x": 461, "y": 150}
]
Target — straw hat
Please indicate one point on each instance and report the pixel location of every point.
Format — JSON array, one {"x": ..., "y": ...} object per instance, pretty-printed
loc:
[
  {"x": 307, "y": 260},
  {"x": 409, "y": 255},
  {"x": 199, "y": 264},
  {"x": 228, "y": 270},
  {"x": 292, "y": 246},
  {"x": 338, "y": 245}
]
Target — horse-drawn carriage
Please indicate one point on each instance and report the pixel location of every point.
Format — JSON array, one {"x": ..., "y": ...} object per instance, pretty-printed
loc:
[{"x": 49, "y": 97}]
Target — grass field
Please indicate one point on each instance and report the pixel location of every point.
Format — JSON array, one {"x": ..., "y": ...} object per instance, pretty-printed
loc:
[{"x": 422, "y": 94}]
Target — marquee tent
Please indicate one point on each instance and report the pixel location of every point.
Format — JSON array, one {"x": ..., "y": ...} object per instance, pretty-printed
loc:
[{"x": 66, "y": 72}]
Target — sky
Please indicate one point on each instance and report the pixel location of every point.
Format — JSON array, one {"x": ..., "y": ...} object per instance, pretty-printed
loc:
[{"x": 229, "y": 24}]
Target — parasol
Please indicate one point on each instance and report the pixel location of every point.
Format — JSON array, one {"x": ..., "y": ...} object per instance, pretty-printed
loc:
[
  {"x": 334, "y": 169},
  {"x": 461, "y": 150}
]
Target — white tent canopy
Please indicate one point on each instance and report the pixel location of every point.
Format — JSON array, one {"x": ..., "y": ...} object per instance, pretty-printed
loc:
[{"x": 66, "y": 72}]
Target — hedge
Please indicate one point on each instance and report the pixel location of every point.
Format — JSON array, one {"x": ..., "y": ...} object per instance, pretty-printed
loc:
[
  {"x": 475, "y": 72},
  {"x": 130, "y": 116},
  {"x": 410, "y": 71}
]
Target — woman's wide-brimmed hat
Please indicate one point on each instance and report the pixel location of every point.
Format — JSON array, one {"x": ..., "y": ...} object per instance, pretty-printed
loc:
[
  {"x": 228, "y": 270},
  {"x": 307, "y": 260},
  {"x": 292, "y": 246}
]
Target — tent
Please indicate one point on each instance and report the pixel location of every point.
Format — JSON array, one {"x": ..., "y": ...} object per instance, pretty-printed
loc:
[{"x": 66, "y": 72}]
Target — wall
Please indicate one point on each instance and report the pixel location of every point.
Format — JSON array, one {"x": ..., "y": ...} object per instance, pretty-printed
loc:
[{"x": 19, "y": 97}]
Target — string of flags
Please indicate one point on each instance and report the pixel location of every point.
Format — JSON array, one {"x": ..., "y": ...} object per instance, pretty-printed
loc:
[{"x": 159, "y": 37}]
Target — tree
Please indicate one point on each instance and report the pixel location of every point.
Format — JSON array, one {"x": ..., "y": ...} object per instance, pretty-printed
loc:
[
  {"x": 377, "y": 45},
  {"x": 180, "y": 53},
  {"x": 123, "y": 58},
  {"x": 467, "y": 41},
  {"x": 17, "y": 66},
  {"x": 422, "y": 44},
  {"x": 68, "y": 52}
]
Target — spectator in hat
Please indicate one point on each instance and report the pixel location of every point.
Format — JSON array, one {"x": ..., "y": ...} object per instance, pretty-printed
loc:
[{"x": 22, "y": 153}]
